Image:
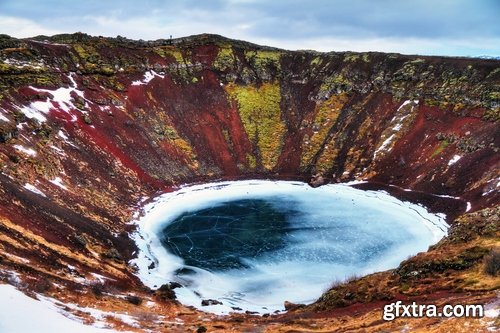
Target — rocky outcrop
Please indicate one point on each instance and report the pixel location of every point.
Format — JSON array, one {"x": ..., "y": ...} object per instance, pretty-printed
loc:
[{"x": 91, "y": 126}]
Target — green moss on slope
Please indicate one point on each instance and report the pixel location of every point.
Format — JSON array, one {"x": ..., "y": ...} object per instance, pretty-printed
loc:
[
  {"x": 327, "y": 113},
  {"x": 259, "y": 109},
  {"x": 261, "y": 58},
  {"x": 170, "y": 51},
  {"x": 225, "y": 59}
]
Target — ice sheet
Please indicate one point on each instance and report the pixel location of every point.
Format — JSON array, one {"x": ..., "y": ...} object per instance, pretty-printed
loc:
[{"x": 298, "y": 273}]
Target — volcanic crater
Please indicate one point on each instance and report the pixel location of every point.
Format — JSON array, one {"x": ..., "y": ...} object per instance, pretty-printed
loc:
[{"x": 92, "y": 129}]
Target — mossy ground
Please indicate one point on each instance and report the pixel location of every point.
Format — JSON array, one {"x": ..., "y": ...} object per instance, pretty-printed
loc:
[
  {"x": 225, "y": 59},
  {"x": 259, "y": 109},
  {"x": 167, "y": 134},
  {"x": 263, "y": 58},
  {"x": 327, "y": 113},
  {"x": 170, "y": 52},
  {"x": 442, "y": 146}
]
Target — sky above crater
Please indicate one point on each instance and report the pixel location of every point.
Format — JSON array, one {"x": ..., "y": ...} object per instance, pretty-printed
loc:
[{"x": 434, "y": 27}]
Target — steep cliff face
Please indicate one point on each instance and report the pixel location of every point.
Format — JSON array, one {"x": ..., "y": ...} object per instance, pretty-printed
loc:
[{"x": 90, "y": 126}]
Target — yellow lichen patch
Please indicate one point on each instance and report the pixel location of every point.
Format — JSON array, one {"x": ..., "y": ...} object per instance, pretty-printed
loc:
[
  {"x": 252, "y": 162},
  {"x": 354, "y": 156},
  {"x": 492, "y": 114},
  {"x": 149, "y": 93},
  {"x": 409, "y": 69},
  {"x": 316, "y": 61},
  {"x": 351, "y": 57},
  {"x": 259, "y": 109},
  {"x": 225, "y": 59},
  {"x": 186, "y": 148},
  {"x": 327, "y": 113},
  {"x": 91, "y": 58},
  {"x": 326, "y": 159},
  {"x": 171, "y": 135},
  {"x": 440, "y": 148},
  {"x": 263, "y": 58},
  {"x": 11, "y": 241},
  {"x": 82, "y": 51},
  {"x": 20, "y": 262},
  {"x": 170, "y": 51},
  {"x": 227, "y": 138},
  {"x": 98, "y": 199},
  {"x": 352, "y": 159},
  {"x": 336, "y": 80},
  {"x": 477, "y": 280}
]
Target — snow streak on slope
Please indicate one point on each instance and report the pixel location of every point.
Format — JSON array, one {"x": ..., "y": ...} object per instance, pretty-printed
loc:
[
  {"x": 395, "y": 126},
  {"x": 61, "y": 98}
]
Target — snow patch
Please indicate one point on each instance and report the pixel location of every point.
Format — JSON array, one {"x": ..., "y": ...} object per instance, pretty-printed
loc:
[
  {"x": 98, "y": 315},
  {"x": 2, "y": 117},
  {"x": 16, "y": 258},
  {"x": 100, "y": 278},
  {"x": 33, "y": 189},
  {"x": 384, "y": 146},
  {"x": 20, "y": 314},
  {"x": 150, "y": 304},
  {"x": 398, "y": 126},
  {"x": 454, "y": 160},
  {"x": 65, "y": 138},
  {"x": 491, "y": 187},
  {"x": 22, "y": 64},
  {"x": 61, "y": 98},
  {"x": 62, "y": 135},
  {"x": 36, "y": 110},
  {"x": 408, "y": 102},
  {"x": 46, "y": 42},
  {"x": 58, "y": 150},
  {"x": 148, "y": 76},
  {"x": 492, "y": 313},
  {"x": 11, "y": 276},
  {"x": 27, "y": 151},
  {"x": 395, "y": 125},
  {"x": 445, "y": 196},
  {"x": 58, "y": 182}
]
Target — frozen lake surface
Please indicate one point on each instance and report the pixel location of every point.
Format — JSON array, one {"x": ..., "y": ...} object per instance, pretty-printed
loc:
[{"x": 254, "y": 244}]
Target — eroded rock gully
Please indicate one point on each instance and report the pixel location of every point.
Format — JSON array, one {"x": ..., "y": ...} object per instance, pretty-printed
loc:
[{"x": 90, "y": 127}]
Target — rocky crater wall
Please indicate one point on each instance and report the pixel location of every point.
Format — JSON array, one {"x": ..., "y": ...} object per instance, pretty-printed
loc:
[{"x": 90, "y": 127}]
